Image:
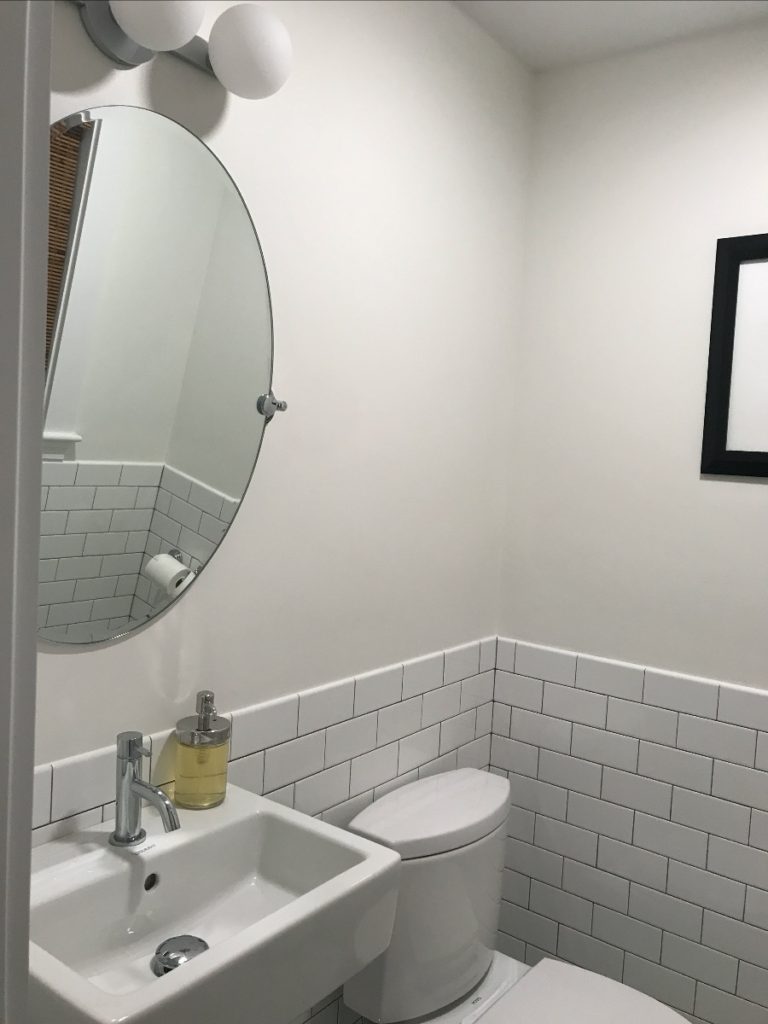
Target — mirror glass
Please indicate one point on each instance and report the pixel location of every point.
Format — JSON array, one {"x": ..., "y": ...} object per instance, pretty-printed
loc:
[
  {"x": 159, "y": 344},
  {"x": 748, "y": 409}
]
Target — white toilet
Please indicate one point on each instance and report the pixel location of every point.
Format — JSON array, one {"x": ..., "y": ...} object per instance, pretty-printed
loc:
[{"x": 449, "y": 830}]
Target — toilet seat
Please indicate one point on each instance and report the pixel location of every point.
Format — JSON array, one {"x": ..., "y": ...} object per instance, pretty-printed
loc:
[{"x": 557, "y": 993}]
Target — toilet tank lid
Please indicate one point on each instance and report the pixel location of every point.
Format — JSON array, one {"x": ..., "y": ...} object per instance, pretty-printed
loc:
[{"x": 437, "y": 814}]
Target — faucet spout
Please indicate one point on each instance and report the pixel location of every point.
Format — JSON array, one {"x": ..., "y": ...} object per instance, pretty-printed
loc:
[
  {"x": 132, "y": 790},
  {"x": 160, "y": 801}
]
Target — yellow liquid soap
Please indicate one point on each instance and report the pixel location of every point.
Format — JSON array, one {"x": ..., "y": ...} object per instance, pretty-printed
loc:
[{"x": 201, "y": 775}]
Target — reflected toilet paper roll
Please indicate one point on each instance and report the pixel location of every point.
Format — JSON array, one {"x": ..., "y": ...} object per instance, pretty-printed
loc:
[{"x": 169, "y": 573}]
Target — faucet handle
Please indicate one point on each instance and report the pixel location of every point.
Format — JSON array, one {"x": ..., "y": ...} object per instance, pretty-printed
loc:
[{"x": 130, "y": 746}]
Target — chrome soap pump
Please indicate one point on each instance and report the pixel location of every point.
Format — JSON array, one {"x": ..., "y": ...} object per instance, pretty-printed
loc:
[{"x": 202, "y": 753}]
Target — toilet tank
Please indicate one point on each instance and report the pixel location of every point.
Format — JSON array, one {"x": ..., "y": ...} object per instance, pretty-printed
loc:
[{"x": 449, "y": 831}]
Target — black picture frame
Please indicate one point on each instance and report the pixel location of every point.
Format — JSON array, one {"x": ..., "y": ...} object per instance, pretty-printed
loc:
[{"x": 716, "y": 459}]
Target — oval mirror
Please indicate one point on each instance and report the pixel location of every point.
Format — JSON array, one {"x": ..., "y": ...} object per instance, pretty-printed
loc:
[{"x": 158, "y": 348}]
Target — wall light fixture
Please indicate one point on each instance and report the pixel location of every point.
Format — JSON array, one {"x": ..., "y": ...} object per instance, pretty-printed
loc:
[{"x": 249, "y": 50}]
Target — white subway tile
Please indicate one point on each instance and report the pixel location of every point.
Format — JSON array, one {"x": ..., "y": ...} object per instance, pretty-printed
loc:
[
  {"x": 742, "y": 863},
  {"x": 421, "y": 747},
  {"x": 575, "y": 705},
  {"x": 636, "y": 791},
  {"x": 350, "y": 739},
  {"x": 455, "y": 731},
  {"x": 629, "y": 862},
  {"x": 756, "y": 910},
  {"x": 105, "y": 543},
  {"x": 475, "y": 754},
  {"x": 670, "y": 839},
  {"x": 505, "y": 654},
  {"x": 557, "y": 905},
  {"x": 377, "y": 689},
  {"x": 54, "y": 523},
  {"x": 326, "y": 705},
  {"x": 182, "y": 512},
  {"x": 66, "y": 826},
  {"x": 88, "y": 590},
  {"x": 99, "y": 473},
  {"x": 520, "y": 824},
  {"x": 399, "y": 720},
  {"x": 739, "y": 939},
  {"x": 606, "y": 748},
  {"x": 284, "y": 795},
  {"x": 520, "y": 691},
  {"x": 502, "y": 719},
  {"x": 73, "y": 612},
  {"x": 422, "y": 674},
  {"x": 570, "y": 772},
  {"x": 175, "y": 482},
  {"x": 742, "y": 785},
  {"x": 293, "y": 760},
  {"x": 476, "y": 690},
  {"x": 41, "y": 795},
  {"x": 441, "y": 704},
  {"x": 681, "y": 693},
  {"x": 373, "y": 768},
  {"x": 589, "y": 953},
  {"x": 665, "y": 911},
  {"x": 59, "y": 474},
  {"x": 461, "y": 662},
  {"x": 538, "y": 796},
  {"x": 264, "y": 725},
  {"x": 720, "y": 817},
  {"x": 647, "y": 723},
  {"x": 744, "y": 707},
  {"x": 513, "y": 756},
  {"x": 705, "y": 889},
  {"x": 719, "y": 1007},
  {"x": 598, "y": 886},
  {"x": 515, "y": 887},
  {"x": 762, "y": 751},
  {"x": 569, "y": 840},
  {"x": 717, "y": 739},
  {"x": 758, "y": 833},
  {"x": 248, "y": 772},
  {"x": 692, "y": 771},
  {"x": 206, "y": 499},
  {"x": 89, "y": 521},
  {"x": 626, "y": 933},
  {"x": 659, "y": 982},
  {"x": 115, "y": 497},
  {"x": 83, "y": 782},
  {"x": 528, "y": 927},
  {"x": 484, "y": 720},
  {"x": 57, "y": 546},
  {"x": 488, "y": 654},
  {"x": 548, "y": 663},
  {"x": 322, "y": 791},
  {"x": 700, "y": 962},
  {"x": 141, "y": 474},
  {"x": 541, "y": 730},
  {"x": 613, "y": 678},
  {"x": 753, "y": 984},
  {"x": 397, "y": 783}
]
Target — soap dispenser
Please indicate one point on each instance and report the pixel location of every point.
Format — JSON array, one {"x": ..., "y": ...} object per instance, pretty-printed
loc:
[{"x": 202, "y": 752}]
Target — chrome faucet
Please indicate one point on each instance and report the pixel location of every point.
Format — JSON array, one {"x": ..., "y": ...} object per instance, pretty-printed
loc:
[{"x": 131, "y": 790}]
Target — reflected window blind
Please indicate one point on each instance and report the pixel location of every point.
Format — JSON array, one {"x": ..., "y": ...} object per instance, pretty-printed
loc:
[{"x": 64, "y": 162}]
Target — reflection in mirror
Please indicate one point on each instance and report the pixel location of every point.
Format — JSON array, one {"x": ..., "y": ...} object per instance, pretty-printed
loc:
[
  {"x": 159, "y": 346},
  {"x": 748, "y": 407}
]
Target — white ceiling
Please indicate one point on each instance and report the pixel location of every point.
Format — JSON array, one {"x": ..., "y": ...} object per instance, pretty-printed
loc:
[{"x": 552, "y": 33}]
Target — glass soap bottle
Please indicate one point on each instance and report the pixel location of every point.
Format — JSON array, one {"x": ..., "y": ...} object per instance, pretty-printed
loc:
[{"x": 202, "y": 753}]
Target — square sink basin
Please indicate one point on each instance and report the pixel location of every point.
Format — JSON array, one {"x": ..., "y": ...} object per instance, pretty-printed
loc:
[{"x": 289, "y": 906}]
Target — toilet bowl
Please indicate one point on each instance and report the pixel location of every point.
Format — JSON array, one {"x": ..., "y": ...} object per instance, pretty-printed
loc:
[{"x": 449, "y": 830}]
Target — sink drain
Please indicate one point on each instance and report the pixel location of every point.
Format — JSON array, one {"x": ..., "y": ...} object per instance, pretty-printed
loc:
[{"x": 178, "y": 950}]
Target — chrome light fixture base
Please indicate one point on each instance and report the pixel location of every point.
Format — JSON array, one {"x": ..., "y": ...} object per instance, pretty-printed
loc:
[{"x": 107, "y": 35}]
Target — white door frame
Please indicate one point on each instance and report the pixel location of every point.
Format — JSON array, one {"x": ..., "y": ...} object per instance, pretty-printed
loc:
[{"x": 25, "y": 57}]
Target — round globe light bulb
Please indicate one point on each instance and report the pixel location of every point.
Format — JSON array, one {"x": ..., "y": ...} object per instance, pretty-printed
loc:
[
  {"x": 161, "y": 24},
  {"x": 250, "y": 51}
]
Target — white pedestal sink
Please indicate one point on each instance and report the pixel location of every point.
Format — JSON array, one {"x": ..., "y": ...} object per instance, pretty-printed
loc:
[{"x": 290, "y": 907}]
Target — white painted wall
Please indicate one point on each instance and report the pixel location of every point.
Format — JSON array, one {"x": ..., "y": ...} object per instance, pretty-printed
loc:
[
  {"x": 386, "y": 182},
  {"x": 614, "y": 543},
  {"x": 25, "y": 41}
]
